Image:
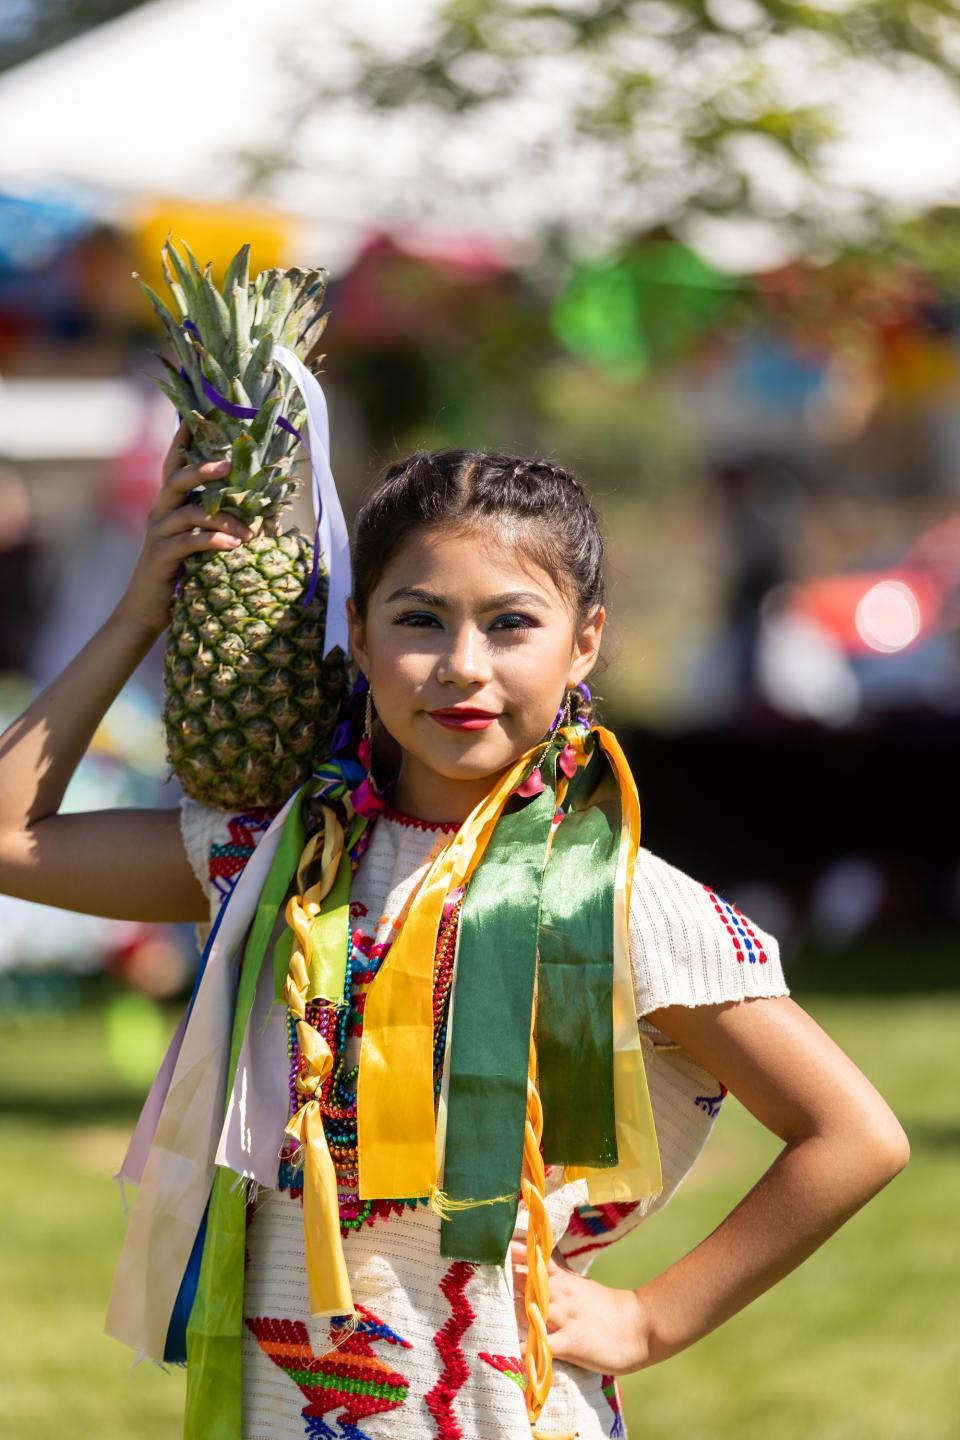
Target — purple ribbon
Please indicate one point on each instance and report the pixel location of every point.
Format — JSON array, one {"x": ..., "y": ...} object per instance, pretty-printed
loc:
[
  {"x": 241, "y": 412},
  {"x": 250, "y": 412}
]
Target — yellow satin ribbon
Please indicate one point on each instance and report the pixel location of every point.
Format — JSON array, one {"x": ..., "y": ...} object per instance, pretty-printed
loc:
[
  {"x": 395, "y": 1103},
  {"x": 637, "y": 1174},
  {"x": 327, "y": 1278}
]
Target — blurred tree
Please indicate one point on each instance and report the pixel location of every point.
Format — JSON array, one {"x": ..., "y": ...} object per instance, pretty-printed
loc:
[
  {"x": 633, "y": 112},
  {"x": 28, "y": 27}
]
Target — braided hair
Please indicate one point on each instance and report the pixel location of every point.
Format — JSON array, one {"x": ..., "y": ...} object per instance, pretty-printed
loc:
[{"x": 545, "y": 506}]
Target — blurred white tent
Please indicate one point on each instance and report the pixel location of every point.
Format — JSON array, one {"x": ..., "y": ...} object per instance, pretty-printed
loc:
[{"x": 158, "y": 102}]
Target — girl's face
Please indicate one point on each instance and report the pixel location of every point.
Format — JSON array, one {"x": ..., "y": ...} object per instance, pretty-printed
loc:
[{"x": 469, "y": 648}]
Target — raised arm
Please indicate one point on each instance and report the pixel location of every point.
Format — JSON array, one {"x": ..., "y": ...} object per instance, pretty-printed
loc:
[{"x": 124, "y": 864}]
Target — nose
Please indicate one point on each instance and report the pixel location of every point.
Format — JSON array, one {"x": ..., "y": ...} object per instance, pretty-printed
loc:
[{"x": 464, "y": 661}]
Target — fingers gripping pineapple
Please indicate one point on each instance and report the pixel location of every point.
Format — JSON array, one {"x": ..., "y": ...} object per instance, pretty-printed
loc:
[{"x": 250, "y": 698}]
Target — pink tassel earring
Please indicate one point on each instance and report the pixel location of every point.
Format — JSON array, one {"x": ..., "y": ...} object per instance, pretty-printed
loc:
[
  {"x": 534, "y": 781},
  {"x": 367, "y": 799}
]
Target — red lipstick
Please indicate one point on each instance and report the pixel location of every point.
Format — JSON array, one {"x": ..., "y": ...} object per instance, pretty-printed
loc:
[{"x": 463, "y": 717}]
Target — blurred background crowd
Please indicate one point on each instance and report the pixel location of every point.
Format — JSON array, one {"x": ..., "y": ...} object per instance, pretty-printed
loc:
[{"x": 706, "y": 255}]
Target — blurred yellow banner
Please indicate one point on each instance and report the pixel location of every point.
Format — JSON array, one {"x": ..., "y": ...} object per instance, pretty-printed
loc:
[{"x": 214, "y": 231}]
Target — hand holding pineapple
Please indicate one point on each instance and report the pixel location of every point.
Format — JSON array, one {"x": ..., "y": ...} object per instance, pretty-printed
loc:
[{"x": 175, "y": 529}]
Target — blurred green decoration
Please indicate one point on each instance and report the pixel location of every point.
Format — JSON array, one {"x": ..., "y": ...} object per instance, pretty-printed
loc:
[
  {"x": 642, "y": 309},
  {"x": 931, "y": 244},
  {"x": 137, "y": 1035},
  {"x": 627, "y": 440}
]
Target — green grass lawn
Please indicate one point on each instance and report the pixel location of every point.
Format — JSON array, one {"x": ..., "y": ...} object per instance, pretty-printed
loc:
[{"x": 860, "y": 1341}]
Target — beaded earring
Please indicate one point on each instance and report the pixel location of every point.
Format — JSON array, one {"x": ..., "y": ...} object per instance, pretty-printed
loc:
[{"x": 365, "y": 748}]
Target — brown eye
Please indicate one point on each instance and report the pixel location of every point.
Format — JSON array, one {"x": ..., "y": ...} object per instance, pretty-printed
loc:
[
  {"x": 514, "y": 622},
  {"x": 419, "y": 618}
]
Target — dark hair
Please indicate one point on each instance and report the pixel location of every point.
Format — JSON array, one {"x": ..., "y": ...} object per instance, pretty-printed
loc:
[{"x": 453, "y": 488}]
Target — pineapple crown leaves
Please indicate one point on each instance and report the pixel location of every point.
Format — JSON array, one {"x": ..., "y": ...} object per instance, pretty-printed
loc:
[{"x": 223, "y": 340}]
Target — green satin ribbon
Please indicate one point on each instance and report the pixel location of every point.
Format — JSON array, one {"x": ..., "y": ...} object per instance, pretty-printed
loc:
[
  {"x": 575, "y": 982},
  {"x": 490, "y": 1039},
  {"x": 214, "y": 1403},
  {"x": 517, "y": 908}
]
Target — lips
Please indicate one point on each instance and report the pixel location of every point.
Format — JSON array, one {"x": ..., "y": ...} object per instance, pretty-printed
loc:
[{"x": 463, "y": 718}]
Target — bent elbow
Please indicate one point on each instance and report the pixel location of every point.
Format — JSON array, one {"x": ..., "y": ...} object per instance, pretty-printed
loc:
[
  {"x": 889, "y": 1148},
  {"x": 898, "y": 1151}
]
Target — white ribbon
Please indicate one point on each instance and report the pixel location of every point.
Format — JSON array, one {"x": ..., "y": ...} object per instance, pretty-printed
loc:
[
  {"x": 334, "y": 541},
  {"x": 179, "y": 1168}
]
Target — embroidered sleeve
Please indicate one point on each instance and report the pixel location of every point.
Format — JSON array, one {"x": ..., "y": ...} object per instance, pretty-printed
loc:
[
  {"x": 691, "y": 946},
  {"x": 219, "y": 844}
]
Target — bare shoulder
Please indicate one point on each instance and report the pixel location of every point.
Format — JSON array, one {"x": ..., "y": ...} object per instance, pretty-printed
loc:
[{"x": 122, "y": 864}]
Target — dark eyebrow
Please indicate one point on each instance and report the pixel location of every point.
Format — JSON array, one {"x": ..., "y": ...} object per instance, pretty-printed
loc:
[
  {"x": 413, "y": 592},
  {"x": 438, "y": 602}
]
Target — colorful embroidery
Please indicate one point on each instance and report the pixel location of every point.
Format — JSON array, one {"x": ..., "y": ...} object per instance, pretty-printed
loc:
[
  {"x": 227, "y": 861},
  {"x": 447, "y": 1340},
  {"x": 350, "y": 1376},
  {"x": 509, "y": 1365},
  {"x": 711, "y": 1103},
  {"x": 739, "y": 929},
  {"x": 614, "y": 1399},
  {"x": 598, "y": 1220},
  {"x": 354, "y": 1212}
]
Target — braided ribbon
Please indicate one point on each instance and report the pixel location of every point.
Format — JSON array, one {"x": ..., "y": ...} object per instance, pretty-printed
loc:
[
  {"x": 538, "y": 1356},
  {"x": 327, "y": 1276},
  {"x": 318, "y": 931}
]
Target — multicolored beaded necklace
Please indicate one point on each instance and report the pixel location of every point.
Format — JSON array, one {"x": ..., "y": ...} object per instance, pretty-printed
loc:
[{"x": 338, "y": 1097}]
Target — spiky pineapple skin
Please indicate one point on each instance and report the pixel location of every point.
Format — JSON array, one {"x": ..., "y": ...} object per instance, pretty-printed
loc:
[{"x": 249, "y": 701}]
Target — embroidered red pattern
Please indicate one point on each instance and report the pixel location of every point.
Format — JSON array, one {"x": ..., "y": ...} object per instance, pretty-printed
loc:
[
  {"x": 599, "y": 1221},
  {"x": 455, "y": 1371},
  {"x": 227, "y": 861},
  {"x": 349, "y": 1378},
  {"x": 413, "y": 822},
  {"x": 509, "y": 1365}
]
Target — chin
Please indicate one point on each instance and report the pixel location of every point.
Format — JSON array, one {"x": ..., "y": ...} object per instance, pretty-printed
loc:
[
  {"x": 468, "y": 768},
  {"x": 466, "y": 760}
]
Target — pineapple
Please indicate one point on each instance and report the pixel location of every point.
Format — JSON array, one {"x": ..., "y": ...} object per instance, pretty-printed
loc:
[{"x": 249, "y": 699}]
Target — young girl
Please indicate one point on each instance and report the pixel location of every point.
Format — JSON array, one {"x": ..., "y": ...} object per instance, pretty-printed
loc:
[{"x": 391, "y": 1137}]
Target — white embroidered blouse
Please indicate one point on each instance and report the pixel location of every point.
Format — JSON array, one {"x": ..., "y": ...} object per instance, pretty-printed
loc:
[{"x": 437, "y": 1352}]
